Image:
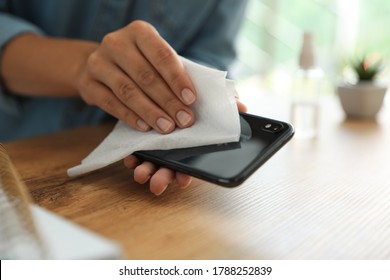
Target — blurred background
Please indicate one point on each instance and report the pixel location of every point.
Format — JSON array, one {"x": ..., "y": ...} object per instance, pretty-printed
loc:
[{"x": 270, "y": 38}]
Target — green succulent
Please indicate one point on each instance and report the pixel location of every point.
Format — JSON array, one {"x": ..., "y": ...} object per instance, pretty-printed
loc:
[{"x": 366, "y": 69}]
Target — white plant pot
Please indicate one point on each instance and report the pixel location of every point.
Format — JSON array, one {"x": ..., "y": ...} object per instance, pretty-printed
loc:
[{"x": 362, "y": 100}]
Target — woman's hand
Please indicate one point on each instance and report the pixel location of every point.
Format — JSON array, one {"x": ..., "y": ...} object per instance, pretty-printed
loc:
[
  {"x": 138, "y": 78},
  {"x": 160, "y": 178}
]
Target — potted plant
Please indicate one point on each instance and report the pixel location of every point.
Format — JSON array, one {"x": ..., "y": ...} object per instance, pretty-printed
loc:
[{"x": 364, "y": 97}]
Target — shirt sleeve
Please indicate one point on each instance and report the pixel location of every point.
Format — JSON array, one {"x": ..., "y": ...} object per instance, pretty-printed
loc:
[
  {"x": 215, "y": 42},
  {"x": 10, "y": 27}
]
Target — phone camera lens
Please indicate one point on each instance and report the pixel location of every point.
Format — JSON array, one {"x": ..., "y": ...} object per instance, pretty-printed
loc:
[{"x": 273, "y": 127}]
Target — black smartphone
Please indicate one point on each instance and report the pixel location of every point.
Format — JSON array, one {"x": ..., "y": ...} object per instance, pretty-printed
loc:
[{"x": 228, "y": 164}]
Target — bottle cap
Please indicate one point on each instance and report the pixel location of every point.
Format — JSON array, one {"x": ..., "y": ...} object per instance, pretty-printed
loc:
[{"x": 306, "y": 56}]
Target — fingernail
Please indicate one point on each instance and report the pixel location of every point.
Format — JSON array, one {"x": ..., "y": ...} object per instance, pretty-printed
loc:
[
  {"x": 164, "y": 125},
  {"x": 188, "y": 96},
  {"x": 142, "y": 125},
  {"x": 184, "y": 118},
  {"x": 160, "y": 191},
  {"x": 146, "y": 180}
]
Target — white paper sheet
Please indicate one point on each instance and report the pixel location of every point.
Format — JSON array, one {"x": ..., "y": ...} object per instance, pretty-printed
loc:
[
  {"x": 217, "y": 121},
  {"x": 65, "y": 240}
]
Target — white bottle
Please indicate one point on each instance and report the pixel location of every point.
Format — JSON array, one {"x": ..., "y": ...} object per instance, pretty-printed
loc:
[{"x": 305, "y": 103}]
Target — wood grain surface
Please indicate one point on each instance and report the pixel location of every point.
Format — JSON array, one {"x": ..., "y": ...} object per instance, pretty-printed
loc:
[{"x": 324, "y": 198}]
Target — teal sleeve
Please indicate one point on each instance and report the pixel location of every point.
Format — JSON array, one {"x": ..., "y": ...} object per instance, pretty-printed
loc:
[{"x": 215, "y": 42}]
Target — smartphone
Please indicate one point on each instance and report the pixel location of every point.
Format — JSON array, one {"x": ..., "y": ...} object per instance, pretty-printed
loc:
[{"x": 228, "y": 164}]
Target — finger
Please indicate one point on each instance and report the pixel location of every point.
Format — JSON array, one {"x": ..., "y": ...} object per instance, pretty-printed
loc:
[
  {"x": 145, "y": 79},
  {"x": 95, "y": 93},
  {"x": 160, "y": 180},
  {"x": 183, "y": 180},
  {"x": 158, "y": 91},
  {"x": 241, "y": 106},
  {"x": 131, "y": 161},
  {"x": 165, "y": 60},
  {"x": 148, "y": 113},
  {"x": 143, "y": 172}
]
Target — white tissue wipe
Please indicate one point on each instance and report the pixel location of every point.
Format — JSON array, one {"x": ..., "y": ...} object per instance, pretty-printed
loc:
[{"x": 217, "y": 121}]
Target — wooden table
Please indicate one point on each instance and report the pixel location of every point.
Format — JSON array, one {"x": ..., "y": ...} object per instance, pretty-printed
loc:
[{"x": 324, "y": 198}]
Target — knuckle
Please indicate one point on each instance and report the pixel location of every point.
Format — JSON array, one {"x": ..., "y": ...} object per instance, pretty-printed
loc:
[
  {"x": 112, "y": 40},
  {"x": 108, "y": 38},
  {"x": 127, "y": 92},
  {"x": 139, "y": 26},
  {"x": 171, "y": 104},
  {"x": 175, "y": 80},
  {"x": 93, "y": 61},
  {"x": 128, "y": 117},
  {"x": 147, "y": 77},
  {"x": 108, "y": 103},
  {"x": 164, "y": 54}
]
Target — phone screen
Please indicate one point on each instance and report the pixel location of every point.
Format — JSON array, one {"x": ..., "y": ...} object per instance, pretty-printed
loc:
[{"x": 228, "y": 164}]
